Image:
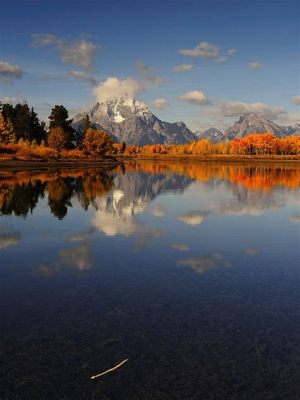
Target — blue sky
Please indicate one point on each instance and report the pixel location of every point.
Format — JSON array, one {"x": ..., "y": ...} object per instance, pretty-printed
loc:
[{"x": 235, "y": 56}]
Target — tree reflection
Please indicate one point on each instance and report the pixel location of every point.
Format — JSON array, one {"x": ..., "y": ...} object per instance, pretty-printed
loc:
[
  {"x": 20, "y": 199},
  {"x": 21, "y": 191},
  {"x": 136, "y": 184}
]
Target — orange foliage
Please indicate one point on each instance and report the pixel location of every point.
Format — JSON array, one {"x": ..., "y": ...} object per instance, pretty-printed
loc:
[
  {"x": 258, "y": 144},
  {"x": 263, "y": 177}
]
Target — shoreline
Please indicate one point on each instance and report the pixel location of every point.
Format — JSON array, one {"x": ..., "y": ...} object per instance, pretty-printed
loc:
[
  {"x": 214, "y": 159},
  {"x": 123, "y": 159},
  {"x": 58, "y": 164}
]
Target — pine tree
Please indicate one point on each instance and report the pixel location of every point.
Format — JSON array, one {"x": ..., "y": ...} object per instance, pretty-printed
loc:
[
  {"x": 7, "y": 134},
  {"x": 80, "y": 134},
  {"x": 59, "y": 119}
]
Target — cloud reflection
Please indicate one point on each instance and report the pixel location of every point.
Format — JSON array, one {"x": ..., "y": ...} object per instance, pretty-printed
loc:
[
  {"x": 251, "y": 251},
  {"x": 79, "y": 237},
  {"x": 205, "y": 263},
  {"x": 77, "y": 258},
  {"x": 295, "y": 218},
  {"x": 193, "y": 217},
  {"x": 8, "y": 237},
  {"x": 180, "y": 247},
  {"x": 158, "y": 211}
]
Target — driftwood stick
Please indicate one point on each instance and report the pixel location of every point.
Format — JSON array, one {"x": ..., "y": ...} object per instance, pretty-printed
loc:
[{"x": 109, "y": 370}]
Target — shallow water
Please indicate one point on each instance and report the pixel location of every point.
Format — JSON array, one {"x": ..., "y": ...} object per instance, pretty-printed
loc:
[{"x": 190, "y": 271}]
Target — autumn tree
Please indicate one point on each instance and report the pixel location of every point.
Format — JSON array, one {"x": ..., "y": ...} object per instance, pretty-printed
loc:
[
  {"x": 57, "y": 138},
  {"x": 97, "y": 143}
]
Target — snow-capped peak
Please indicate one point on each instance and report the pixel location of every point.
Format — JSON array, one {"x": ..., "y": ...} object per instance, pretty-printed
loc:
[{"x": 119, "y": 108}]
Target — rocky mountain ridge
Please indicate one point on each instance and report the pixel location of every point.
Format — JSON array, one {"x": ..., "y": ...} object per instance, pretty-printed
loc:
[{"x": 131, "y": 121}]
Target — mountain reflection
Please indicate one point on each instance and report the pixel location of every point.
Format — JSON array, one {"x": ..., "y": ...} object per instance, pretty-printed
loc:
[{"x": 128, "y": 190}]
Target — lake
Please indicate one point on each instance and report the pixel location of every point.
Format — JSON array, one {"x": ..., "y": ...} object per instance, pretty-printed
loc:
[{"x": 190, "y": 271}]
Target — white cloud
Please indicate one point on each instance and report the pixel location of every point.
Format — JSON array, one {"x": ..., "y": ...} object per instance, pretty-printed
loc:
[
  {"x": 160, "y": 103},
  {"x": 202, "y": 50},
  {"x": 296, "y": 100},
  {"x": 207, "y": 51},
  {"x": 231, "y": 52},
  {"x": 288, "y": 119},
  {"x": 8, "y": 71},
  {"x": 254, "y": 65},
  {"x": 221, "y": 59},
  {"x": 115, "y": 87},
  {"x": 46, "y": 39},
  {"x": 84, "y": 76},
  {"x": 183, "y": 67},
  {"x": 195, "y": 97},
  {"x": 80, "y": 53},
  {"x": 237, "y": 108},
  {"x": 12, "y": 99}
]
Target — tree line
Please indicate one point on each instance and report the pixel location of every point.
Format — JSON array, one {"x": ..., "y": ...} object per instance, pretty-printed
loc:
[
  {"x": 20, "y": 125},
  {"x": 23, "y": 133}
]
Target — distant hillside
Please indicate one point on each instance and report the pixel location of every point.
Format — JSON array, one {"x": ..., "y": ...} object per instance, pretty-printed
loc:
[{"x": 212, "y": 134}]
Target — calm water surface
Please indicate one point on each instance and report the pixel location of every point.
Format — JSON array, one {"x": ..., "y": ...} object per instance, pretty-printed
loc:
[{"x": 190, "y": 271}]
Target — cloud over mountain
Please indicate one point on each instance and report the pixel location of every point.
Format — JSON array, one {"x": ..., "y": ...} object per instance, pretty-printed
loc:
[
  {"x": 237, "y": 108},
  {"x": 114, "y": 87}
]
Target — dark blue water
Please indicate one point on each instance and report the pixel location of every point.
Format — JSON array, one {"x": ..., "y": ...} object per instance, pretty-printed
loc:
[{"x": 189, "y": 271}]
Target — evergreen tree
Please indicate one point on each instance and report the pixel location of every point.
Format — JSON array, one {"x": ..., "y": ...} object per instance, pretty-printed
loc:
[
  {"x": 7, "y": 134},
  {"x": 80, "y": 134},
  {"x": 59, "y": 119},
  {"x": 25, "y": 122},
  {"x": 37, "y": 129}
]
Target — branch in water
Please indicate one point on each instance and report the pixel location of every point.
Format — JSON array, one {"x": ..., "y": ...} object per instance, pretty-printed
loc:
[{"x": 109, "y": 370}]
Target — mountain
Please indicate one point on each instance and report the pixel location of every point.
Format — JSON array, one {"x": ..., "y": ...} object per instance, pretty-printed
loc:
[
  {"x": 254, "y": 123},
  {"x": 212, "y": 134},
  {"x": 132, "y": 121},
  {"x": 293, "y": 130}
]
